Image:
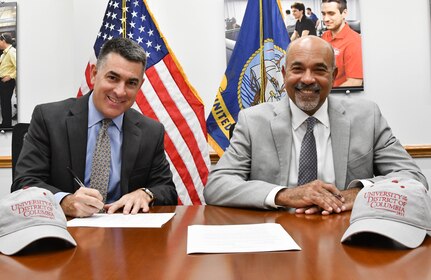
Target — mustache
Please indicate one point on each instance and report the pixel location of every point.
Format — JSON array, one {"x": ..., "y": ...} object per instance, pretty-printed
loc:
[{"x": 312, "y": 87}]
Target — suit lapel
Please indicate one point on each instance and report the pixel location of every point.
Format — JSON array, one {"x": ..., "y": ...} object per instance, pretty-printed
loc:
[
  {"x": 131, "y": 138},
  {"x": 76, "y": 126},
  {"x": 340, "y": 137},
  {"x": 281, "y": 128}
]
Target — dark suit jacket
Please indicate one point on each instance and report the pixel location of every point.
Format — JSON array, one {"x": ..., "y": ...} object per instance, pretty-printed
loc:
[{"x": 57, "y": 138}]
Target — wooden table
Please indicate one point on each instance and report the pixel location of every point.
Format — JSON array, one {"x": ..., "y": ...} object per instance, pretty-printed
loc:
[{"x": 122, "y": 253}]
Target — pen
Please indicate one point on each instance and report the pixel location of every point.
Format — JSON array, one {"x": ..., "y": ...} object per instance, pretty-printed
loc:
[
  {"x": 75, "y": 178},
  {"x": 79, "y": 182}
]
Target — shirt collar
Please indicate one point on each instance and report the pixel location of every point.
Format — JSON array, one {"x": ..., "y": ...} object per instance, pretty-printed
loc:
[
  {"x": 299, "y": 117},
  {"x": 5, "y": 51},
  {"x": 94, "y": 116},
  {"x": 343, "y": 32}
]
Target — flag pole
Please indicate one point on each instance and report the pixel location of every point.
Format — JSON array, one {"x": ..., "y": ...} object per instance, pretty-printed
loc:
[
  {"x": 123, "y": 18},
  {"x": 262, "y": 58}
]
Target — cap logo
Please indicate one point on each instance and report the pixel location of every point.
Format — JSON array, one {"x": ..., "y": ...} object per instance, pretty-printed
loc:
[
  {"x": 388, "y": 201},
  {"x": 34, "y": 208}
]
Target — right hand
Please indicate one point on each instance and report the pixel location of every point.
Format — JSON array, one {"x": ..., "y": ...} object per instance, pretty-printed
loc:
[
  {"x": 83, "y": 203},
  {"x": 315, "y": 193}
]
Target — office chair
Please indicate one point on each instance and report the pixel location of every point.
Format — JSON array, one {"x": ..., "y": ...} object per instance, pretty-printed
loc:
[
  {"x": 355, "y": 25},
  {"x": 18, "y": 133}
]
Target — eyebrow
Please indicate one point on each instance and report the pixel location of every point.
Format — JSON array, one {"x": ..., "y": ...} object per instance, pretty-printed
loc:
[
  {"x": 323, "y": 65},
  {"x": 297, "y": 63},
  {"x": 119, "y": 76}
]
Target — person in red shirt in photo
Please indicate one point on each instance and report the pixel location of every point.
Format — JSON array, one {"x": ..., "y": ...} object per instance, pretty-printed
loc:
[{"x": 345, "y": 41}]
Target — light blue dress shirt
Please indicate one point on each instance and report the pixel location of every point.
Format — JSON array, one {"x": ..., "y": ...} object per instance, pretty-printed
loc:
[{"x": 115, "y": 132}]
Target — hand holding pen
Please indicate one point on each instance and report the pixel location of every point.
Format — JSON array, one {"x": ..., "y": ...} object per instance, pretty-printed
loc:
[{"x": 84, "y": 202}]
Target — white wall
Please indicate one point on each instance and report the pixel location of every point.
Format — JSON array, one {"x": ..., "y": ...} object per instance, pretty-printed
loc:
[{"x": 55, "y": 39}]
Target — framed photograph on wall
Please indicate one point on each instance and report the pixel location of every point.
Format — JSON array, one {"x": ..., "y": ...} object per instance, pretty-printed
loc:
[
  {"x": 330, "y": 20},
  {"x": 8, "y": 73}
]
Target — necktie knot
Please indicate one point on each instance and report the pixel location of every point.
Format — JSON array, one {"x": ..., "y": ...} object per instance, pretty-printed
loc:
[
  {"x": 311, "y": 121},
  {"x": 106, "y": 123}
]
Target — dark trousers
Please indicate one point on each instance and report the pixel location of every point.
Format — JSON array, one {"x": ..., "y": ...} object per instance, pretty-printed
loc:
[{"x": 6, "y": 91}]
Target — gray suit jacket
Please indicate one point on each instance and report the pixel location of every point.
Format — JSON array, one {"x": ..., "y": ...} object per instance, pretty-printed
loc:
[
  {"x": 57, "y": 139},
  {"x": 259, "y": 154}
]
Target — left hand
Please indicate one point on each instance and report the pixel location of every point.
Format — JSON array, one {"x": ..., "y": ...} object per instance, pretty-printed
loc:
[
  {"x": 349, "y": 198},
  {"x": 131, "y": 203}
]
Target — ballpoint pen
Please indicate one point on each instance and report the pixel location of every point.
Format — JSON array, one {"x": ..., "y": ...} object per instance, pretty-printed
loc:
[
  {"x": 75, "y": 178},
  {"x": 80, "y": 183}
]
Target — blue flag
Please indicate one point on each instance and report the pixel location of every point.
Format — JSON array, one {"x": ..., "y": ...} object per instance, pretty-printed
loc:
[{"x": 253, "y": 74}]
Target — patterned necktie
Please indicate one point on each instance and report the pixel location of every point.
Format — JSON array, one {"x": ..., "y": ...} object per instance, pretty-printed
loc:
[
  {"x": 101, "y": 165},
  {"x": 308, "y": 156}
]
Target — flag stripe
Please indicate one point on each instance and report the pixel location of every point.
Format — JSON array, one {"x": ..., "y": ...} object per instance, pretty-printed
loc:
[
  {"x": 156, "y": 107},
  {"x": 185, "y": 90},
  {"x": 179, "y": 118},
  {"x": 185, "y": 187}
]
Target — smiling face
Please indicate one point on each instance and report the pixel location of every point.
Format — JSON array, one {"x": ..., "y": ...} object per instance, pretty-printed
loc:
[
  {"x": 333, "y": 19},
  {"x": 309, "y": 73},
  {"x": 116, "y": 82},
  {"x": 297, "y": 14}
]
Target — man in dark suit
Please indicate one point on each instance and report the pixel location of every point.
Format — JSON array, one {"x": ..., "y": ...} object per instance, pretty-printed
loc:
[{"x": 63, "y": 135}]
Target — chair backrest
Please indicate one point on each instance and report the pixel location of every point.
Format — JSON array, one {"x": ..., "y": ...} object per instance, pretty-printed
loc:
[
  {"x": 355, "y": 25},
  {"x": 18, "y": 132}
]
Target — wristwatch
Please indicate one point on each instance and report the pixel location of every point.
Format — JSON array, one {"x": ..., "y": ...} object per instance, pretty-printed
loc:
[{"x": 150, "y": 194}]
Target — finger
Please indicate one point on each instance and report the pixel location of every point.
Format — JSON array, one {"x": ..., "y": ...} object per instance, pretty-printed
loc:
[
  {"x": 90, "y": 192},
  {"x": 324, "y": 201},
  {"x": 85, "y": 210},
  {"x": 300, "y": 210},
  {"x": 128, "y": 207},
  {"x": 334, "y": 191},
  {"x": 312, "y": 210},
  {"x": 90, "y": 197},
  {"x": 136, "y": 207},
  {"x": 334, "y": 201},
  {"x": 93, "y": 202},
  {"x": 112, "y": 208}
]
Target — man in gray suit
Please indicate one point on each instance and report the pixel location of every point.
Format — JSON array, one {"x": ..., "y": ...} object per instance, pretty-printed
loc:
[
  {"x": 354, "y": 144},
  {"x": 63, "y": 135}
]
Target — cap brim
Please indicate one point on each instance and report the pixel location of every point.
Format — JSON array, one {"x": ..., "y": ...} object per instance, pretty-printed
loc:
[
  {"x": 16, "y": 241},
  {"x": 404, "y": 234}
]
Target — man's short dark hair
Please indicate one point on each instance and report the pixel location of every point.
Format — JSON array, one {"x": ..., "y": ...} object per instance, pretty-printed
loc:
[
  {"x": 299, "y": 6},
  {"x": 309, "y": 9},
  {"x": 342, "y": 4},
  {"x": 7, "y": 38},
  {"x": 127, "y": 48}
]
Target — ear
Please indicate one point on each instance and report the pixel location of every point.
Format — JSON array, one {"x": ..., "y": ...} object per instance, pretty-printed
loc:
[
  {"x": 334, "y": 74},
  {"x": 283, "y": 70},
  {"x": 344, "y": 14},
  {"x": 93, "y": 73}
]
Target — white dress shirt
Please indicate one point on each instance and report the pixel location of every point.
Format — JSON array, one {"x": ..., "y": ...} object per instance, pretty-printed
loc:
[{"x": 322, "y": 134}]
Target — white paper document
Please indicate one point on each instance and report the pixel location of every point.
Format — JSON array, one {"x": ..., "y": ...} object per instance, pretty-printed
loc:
[
  {"x": 119, "y": 220},
  {"x": 239, "y": 238}
]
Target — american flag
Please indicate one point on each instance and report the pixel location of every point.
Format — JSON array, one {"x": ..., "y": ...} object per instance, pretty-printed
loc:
[{"x": 165, "y": 95}]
